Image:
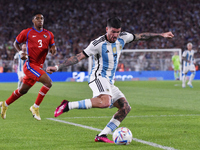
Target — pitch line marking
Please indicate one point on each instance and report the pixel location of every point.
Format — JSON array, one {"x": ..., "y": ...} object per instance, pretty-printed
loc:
[
  {"x": 145, "y": 116},
  {"x": 96, "y": 129}
]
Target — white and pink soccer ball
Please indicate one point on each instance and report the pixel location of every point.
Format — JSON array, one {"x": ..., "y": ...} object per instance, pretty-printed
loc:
[{"x": 122, "y": 136}]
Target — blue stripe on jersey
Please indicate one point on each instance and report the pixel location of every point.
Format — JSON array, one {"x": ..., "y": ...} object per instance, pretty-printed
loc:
[
  {"x": 186, "y": 59},
  {"x": 105, "y": 60},
  {"x": 190, "y": 58},
  {"x": 17, "y": 41},
  {"x": 20, "y": 63},
  {"x": 27, "y": 42},
  {"x": 115, "y": 61},
  {"x": 32, "y": 70},
  {"x": 121, "y": 42},
  {"x": 37, "y": 30}
]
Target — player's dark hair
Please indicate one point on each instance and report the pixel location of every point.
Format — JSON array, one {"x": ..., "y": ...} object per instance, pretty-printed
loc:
[
  {"x": 36, "y": 13},
  {"x": 114, "y": 22}
]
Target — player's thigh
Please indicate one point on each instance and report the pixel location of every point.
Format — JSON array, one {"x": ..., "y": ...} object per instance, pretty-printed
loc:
[
  {"x": 100, "y": 86},
  {"x": 45, "y": 79},
  {"x": 20, "y": 74},
  {"x": 33, "y": 71},
  {"x": 192, "y": 68},
  {"x": 176, "y": 68},
  {"x": 185, "y": 69},
  {"x": 116, "y": 95}
]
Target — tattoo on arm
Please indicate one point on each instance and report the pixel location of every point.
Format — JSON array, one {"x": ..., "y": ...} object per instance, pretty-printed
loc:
[
  {"x": 70, "y": 61},
  {"x": 124, "y": 109},
  {"x": 146, "y": 36}
]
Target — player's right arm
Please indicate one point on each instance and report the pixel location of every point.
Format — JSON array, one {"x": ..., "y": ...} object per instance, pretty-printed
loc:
[
  {"x": 21, "y": 38},
  {"x": 21, "y": 51},
  {"x": 89, "y": 51},
  {"x": 70, "y": 61}
]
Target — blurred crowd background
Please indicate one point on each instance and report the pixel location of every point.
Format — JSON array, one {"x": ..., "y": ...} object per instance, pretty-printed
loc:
[{"x": 75, "y": 23}]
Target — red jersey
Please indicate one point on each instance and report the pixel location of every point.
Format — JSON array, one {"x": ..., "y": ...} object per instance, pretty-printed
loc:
[{"x": 37, "y": 43}]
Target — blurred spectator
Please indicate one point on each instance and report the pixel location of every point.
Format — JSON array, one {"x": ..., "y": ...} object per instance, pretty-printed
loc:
[{"x": 75, "y": 23}]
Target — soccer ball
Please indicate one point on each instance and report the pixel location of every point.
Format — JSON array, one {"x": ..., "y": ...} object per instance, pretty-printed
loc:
[{"x": 122, "y": 136}]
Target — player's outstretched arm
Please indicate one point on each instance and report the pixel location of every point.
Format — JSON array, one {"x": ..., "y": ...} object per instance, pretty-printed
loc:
[
  {"x": 146, "y": 36},
  {"x": 68, "y": 62}
]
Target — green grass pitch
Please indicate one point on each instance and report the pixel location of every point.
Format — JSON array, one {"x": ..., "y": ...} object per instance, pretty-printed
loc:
[{"x": 162, "y": 113}]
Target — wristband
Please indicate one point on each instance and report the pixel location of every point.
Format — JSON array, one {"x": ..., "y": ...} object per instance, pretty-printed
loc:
[{"x": 56, "y": 67}]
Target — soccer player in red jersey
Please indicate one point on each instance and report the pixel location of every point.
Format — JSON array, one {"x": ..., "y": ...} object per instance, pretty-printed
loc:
[{"x": 38, "y": 40}]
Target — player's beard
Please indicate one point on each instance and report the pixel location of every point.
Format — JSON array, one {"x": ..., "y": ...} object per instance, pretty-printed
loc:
[{"x": 112, "y": 39}]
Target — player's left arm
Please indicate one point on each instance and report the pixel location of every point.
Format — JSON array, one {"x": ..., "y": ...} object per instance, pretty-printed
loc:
[
  {"x": 53, "y": 50},
  {"x": 146, "y": 36}
]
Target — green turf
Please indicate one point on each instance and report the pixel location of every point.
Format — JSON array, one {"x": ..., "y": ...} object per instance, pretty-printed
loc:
[{"x": 162, "y": 113}]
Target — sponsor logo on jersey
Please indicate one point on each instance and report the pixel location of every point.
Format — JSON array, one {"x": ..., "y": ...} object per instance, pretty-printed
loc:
[{"x": 34, "y": 36}]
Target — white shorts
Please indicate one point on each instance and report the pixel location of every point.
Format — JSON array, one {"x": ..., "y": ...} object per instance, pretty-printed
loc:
[
  {"x": 20, "y": 74},
  {"x": 188, "y": 68},
  {"x": 103, "y": 86}
]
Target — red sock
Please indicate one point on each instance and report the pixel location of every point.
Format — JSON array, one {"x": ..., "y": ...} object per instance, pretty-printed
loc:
[
  {"x": 41, "y": 94},
  {"x": 15, "y": 95}
]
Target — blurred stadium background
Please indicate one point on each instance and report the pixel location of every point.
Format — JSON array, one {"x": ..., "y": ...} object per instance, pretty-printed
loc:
[{"x": 76, "y": 22}]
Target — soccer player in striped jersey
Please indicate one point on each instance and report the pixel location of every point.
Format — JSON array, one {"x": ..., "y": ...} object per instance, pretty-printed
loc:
[
  {"x": 39, "y": 42},
  {"x": 188, "y": 65},
  {"x": 106, "y": 51},
  {"x": 20, "y": 64}
]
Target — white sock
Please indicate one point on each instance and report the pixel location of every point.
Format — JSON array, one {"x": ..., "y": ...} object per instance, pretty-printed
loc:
[
  {"x": 191, "y": 77},
  {"x": 83, "y": 104},
  {"x": 183, "y": 79},
  {"x": 6, "y": 104},
  {"x": 110, "y": 127},
  {"x": 36, "y": 106}
]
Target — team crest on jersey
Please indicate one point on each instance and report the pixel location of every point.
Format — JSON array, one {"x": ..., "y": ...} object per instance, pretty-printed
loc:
[
  {"x": 45, "y": 36},
  {"x": 120, "y": 46},
  {"x": 114, "y": 50}
]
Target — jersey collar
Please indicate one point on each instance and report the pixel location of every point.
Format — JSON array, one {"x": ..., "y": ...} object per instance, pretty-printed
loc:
[{"x": 37, "y": 30}]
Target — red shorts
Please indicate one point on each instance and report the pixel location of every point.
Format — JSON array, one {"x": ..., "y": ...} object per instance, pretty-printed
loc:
[{"x": 32, "y": 73}]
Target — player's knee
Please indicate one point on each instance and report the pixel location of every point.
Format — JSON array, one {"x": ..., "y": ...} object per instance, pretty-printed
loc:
[
  {"x": 23, "y": 91},
  {"x": 105, "y": 101},
  {"x": 126, "y": 108},
  {"x": 48, "y": 84}
]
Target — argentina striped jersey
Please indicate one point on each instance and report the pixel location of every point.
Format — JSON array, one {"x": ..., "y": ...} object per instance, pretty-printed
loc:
[
  {"x": 189, "y": 55},
  {"x": 20, "y": 62},
  {"x": 106, "y": 55}
]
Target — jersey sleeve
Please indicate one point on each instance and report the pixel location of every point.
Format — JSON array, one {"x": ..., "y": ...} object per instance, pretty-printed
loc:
[
  {"x": 127, "y": 37},
  {"x": 90, "y": 50},
  {"x": 184, "y": 54},
  {"x": 21, "y": 37},
  {"x": 52, "y": 42},
  {"x": 16, "y": 56}
]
